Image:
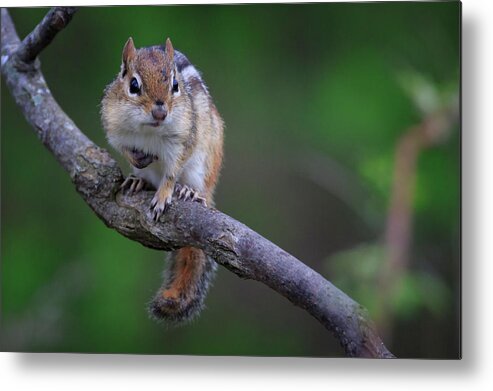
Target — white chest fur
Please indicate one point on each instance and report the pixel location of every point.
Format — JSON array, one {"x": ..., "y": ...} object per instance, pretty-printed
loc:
[
  {"x": 168, "y": 150},
  {"x": 194, "y": 170}
]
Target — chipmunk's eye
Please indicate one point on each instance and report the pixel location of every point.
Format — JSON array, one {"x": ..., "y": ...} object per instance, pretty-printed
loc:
[
  {"x": 134, "y": 86},
  {"x": 175, "y": 85}
]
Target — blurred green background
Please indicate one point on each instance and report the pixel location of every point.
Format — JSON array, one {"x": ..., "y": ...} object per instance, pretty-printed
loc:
[{"x": 315, "y": 99}]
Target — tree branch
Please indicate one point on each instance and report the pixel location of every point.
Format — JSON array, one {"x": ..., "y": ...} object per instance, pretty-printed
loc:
[
  {"x": 97, "y": 177},
  {"x": 54, "y": 21}
]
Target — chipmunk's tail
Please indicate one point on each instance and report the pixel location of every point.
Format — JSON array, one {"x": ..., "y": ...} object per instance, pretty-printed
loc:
[{"x": 187, "y": 279}]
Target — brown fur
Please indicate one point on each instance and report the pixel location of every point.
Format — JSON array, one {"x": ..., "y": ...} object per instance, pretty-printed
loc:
[
  {"x": 200, "y": 131},
  {"x": 188, "y": 265}
]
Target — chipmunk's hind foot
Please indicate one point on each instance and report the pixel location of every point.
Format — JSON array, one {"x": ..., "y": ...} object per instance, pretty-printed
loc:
[
  {"x": 133, "y": 184},
  {"x": 185, "y": 193}
]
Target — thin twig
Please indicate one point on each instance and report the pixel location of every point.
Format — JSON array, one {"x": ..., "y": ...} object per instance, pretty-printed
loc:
[
  {"x": 55, "y": 20},
  {"x": 97, "y": 177},
  {"x": 432, "y": 131}
]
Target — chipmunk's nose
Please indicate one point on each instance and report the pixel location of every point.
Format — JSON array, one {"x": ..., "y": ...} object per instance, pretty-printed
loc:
[{"x": 159, "y": 112}]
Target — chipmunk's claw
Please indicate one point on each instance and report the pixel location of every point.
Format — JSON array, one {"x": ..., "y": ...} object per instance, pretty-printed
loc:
[
  {"x": 181, "y": 192},
  {"x": 158, "y": 208},
  {"x": 185, "y": 193},
  {"x": 132, "y": 184}
]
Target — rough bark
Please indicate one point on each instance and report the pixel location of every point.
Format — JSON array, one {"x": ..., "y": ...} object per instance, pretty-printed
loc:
[{"x": 97, "y": 178}]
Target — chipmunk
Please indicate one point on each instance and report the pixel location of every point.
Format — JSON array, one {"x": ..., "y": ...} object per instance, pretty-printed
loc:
[{"x": 159, "y": 114}]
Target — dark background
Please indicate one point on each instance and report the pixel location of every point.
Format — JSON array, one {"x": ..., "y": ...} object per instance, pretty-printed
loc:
[{"x": 315, "y": 100}]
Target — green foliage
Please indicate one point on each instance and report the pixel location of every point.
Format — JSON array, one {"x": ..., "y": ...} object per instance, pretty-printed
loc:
[
  {"x": 358, "y": 272},
  {"x": 426, "y": 95},
  {"x": 420, "y": 290}
]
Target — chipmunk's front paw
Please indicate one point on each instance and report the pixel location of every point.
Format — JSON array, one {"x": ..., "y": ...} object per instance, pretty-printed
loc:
[
  {"x": 133, "y": 183},
  {"x": 141, "y": 160},
  {"x": 159, "y": 206},
  {"x": 185, "y": 193}
]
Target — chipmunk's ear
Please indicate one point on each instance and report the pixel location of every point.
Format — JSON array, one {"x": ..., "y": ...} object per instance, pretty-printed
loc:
[
  {"x": 169, "y": 52},
  {"x": 128, "y": 55}
]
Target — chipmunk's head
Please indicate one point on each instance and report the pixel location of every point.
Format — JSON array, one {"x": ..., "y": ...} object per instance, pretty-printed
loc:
[{"x": 147, "y": 90}]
